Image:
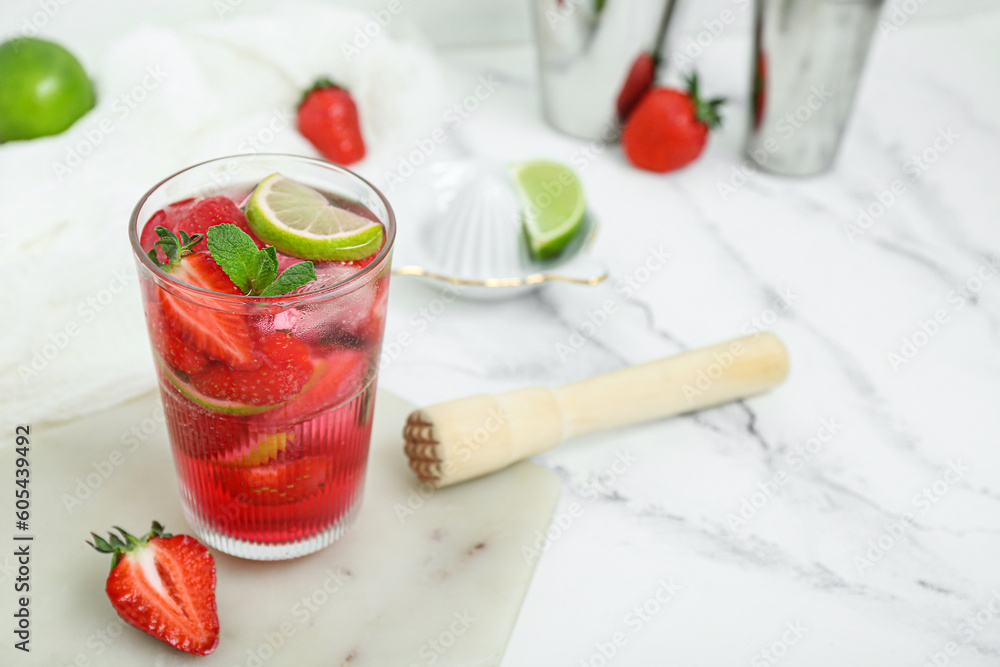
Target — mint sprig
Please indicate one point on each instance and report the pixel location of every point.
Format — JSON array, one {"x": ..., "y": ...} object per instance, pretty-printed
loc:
[
  {"x": 291, "y": 279},
  {"x": 174, "y": 247},
  {"x": 254, "y": 271}
]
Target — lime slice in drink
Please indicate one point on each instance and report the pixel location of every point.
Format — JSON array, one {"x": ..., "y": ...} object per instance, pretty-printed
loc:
[
  {"x": 266, "y": 450},
  {"x": 554, "y": 205},
  {"x": 213, "y": 404},
  {"x": 301, "y": 222}
]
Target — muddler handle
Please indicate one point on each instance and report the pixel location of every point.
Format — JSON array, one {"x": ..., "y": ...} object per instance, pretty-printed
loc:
[{"x": 458, "y": 440}]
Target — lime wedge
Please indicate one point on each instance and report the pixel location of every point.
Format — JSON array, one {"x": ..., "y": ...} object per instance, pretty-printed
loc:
[
  {"x": 554, "y": 205},
  {"x": 301, "y": 222}
]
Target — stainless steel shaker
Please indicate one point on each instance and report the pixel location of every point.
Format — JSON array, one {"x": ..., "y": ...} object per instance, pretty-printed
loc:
[
  {"x": 586, "y": 51},
  {"x": 808, "y": 57}
]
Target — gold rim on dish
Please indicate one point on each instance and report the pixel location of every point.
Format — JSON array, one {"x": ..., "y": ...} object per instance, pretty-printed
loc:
[{"x": 532, "y": 279}]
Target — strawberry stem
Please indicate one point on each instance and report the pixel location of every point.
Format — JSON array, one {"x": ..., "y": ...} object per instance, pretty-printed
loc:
[
  {"x": 116, "y": 546},
  {"x": 321, "y": 83},
  {"x": 707, "y": 111}
]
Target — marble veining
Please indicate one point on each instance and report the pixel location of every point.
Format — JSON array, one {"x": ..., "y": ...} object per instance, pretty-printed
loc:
[
  {"x": 860, "y": 500},
  {"x": 851, "y": 517}
]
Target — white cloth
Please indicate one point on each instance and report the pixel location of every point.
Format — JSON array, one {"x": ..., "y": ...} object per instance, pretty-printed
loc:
[{"x": 75, "y": 339}]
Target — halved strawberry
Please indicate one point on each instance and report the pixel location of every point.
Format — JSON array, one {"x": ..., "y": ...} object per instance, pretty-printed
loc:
[
  {"x": 285, "y": 368},
  {"x": 165, "y": 586}
]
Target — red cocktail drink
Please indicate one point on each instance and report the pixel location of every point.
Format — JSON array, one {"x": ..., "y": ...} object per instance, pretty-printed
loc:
[{"x": 268, "y": 394}]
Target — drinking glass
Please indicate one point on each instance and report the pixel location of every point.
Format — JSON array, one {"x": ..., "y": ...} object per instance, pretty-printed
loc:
[{"x": 277, "y": 480}]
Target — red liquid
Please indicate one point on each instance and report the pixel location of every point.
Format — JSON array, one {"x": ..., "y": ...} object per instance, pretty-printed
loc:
[
  {"x": 303, "y": 490},
  {"x": 252, "y": 468}
]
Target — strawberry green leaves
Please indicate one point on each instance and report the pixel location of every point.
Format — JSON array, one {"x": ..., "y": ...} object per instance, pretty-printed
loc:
[{"x": 254, "y": 271}]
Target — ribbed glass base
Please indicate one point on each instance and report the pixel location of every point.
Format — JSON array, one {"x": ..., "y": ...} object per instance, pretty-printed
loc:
[
  {"x": 272, "y": 551},
  {"x": 264, "y": 488}
]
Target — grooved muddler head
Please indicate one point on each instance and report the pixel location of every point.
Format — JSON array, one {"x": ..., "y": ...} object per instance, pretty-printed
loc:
[
  {"x": 458, "y": 440},
  {"x": 473, "y": 436},
  {"x": 421, "y": 448}
]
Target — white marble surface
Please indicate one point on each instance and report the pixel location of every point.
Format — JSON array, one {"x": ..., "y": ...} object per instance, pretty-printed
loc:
[
  {"x": 853, "y": 449},
  {"x": 847, "y": 447}
]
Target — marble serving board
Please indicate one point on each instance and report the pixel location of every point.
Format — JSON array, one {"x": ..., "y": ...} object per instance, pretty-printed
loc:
[{"x": 423, "y": 578}]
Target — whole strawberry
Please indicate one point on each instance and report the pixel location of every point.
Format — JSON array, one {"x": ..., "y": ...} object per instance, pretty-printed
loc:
[
  {"x": 164, "y": 585},
  {"x": 668, "y": 128},
  {"x": 328, "y": 118}
]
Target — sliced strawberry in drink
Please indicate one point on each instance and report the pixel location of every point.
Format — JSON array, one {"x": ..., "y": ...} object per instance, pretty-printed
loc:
[
  {"x": 221, "y": 335},
  {"x": 167, "y": 217},
  {"x": 172, "y": 348},
  {"x": 212, "y": 211},
  {"x": 284, "y": 370},
  {"x": 277, "y": 483},
  {"x": 338, "y": 376},
  {"x": 182, "y": 357},
  {"x": 203, "y": 435},
  {"x": 194, "y": 216}
]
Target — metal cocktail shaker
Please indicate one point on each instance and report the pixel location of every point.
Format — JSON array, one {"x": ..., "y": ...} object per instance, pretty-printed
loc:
[
  {"x": 586, "y": 49},
  {"x": 808, "y": 56}
]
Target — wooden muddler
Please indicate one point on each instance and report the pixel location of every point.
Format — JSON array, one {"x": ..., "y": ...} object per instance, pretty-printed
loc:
[{"x": 458, "y": 440}]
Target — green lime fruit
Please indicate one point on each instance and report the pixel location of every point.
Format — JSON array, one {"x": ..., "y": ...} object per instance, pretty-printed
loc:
[
  {"x": 554, "y": 205},
  {"x": 43, "y": 89},
  {"x": 301, "y": 222}
]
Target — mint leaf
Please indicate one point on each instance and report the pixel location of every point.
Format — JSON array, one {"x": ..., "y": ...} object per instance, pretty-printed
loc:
[
  {"x": 273, "y": 254},
  {"x": 173, "y": 247},
  {"x": 168, "y": 243},
  {"x": 291, "y": 279},
  {"x": 267, "y": 269},
  {"x": 250, "y": 269},
  {"x": 253, "y": 270}
]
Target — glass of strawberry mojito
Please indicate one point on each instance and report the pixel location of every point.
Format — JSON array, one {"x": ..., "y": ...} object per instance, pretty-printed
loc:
[{"x": 264, "y": 280}]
